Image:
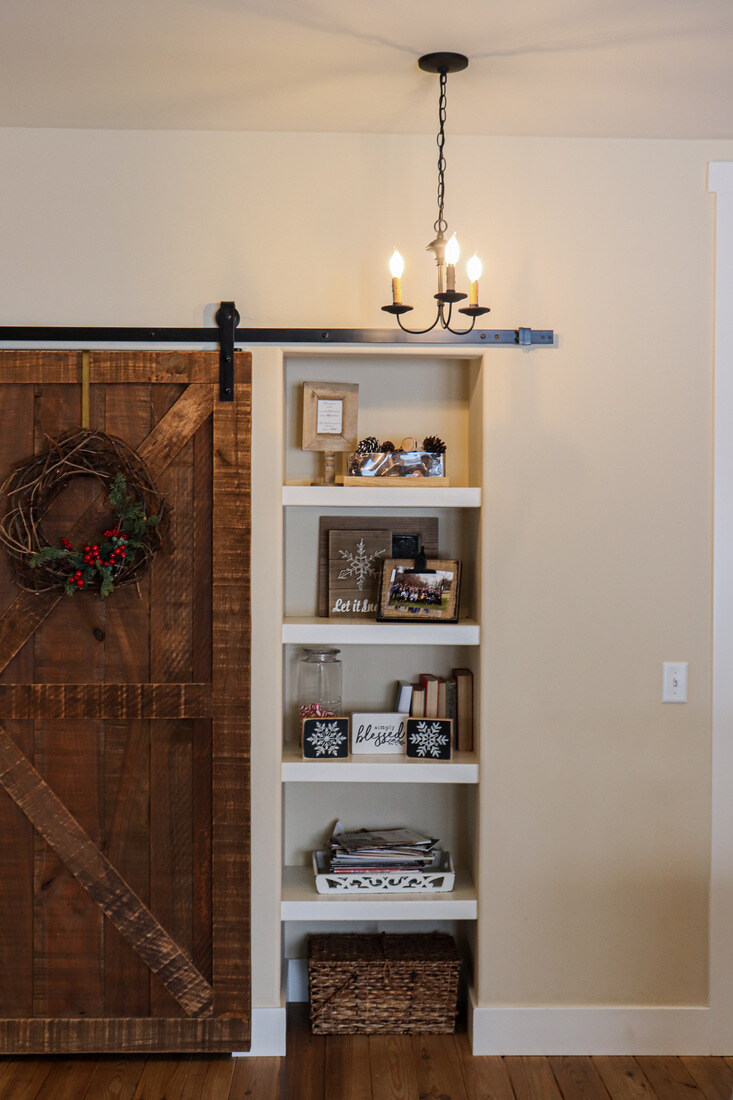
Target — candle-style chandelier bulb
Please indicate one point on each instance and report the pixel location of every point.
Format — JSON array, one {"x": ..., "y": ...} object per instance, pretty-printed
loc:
[
  {"x": 474, "y": 269},
  {"x": 396, "y": 265},
  {"x": 452, "y": 251},
  {"x": 446, "y": 252}
]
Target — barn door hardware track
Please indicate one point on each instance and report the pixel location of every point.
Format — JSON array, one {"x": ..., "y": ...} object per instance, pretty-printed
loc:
[{"x": 226, "y": 334}]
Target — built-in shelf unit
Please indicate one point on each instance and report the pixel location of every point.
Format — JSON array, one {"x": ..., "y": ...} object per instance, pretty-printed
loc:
[{"x": 402, "y": 391}]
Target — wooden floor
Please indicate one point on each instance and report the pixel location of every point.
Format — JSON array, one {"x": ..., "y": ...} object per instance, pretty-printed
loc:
[{"x": 366, "y": 1068}]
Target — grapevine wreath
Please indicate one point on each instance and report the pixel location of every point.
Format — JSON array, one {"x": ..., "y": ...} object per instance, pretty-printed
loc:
[{"x": 122, "y": 555}]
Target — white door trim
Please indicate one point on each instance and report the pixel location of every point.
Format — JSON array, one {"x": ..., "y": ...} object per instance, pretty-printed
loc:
[{"x": 720, "y": 180}]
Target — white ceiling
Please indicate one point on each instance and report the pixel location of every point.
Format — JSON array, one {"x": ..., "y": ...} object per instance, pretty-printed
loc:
[{"x": 586, "y": 68}]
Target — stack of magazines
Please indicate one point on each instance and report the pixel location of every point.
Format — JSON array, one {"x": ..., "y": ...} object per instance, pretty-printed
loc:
[{"x": 376, "y": 851}]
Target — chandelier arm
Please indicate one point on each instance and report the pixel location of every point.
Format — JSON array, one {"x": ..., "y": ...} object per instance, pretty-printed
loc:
[
  {"x": 462, "y": 331},
  {"x": 418, "y": 331}
]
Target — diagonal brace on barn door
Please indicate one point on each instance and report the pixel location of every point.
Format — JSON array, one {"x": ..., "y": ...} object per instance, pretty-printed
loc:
[
  {"x": 168, "y": 437},
  {"x": 104, "y": 884}
]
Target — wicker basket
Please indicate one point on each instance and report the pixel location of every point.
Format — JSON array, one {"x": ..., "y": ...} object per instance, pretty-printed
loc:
[{"x": 383, "y": 984}]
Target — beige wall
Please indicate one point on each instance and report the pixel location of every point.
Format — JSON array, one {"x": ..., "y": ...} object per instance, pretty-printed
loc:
[{"x": 596, "y": 803}]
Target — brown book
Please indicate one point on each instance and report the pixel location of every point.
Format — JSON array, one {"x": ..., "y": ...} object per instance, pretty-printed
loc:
[
  {"x": 430, "y": 684},
  {"x": 464, "y": 708},
  {"x": 417, "y": 706}
]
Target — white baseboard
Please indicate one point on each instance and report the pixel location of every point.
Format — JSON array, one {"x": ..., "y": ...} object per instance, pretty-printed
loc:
[
  {"x": 590, "y": 1030},
  {"x": 268, "y": 1034},
  {"x": 297, "y": 980}
]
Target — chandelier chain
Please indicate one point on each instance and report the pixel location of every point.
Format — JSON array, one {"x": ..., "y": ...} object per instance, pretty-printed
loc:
[{"x": 441, "y": 224}]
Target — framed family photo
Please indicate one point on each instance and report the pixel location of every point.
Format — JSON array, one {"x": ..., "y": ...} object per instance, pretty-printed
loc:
[{"x": 431, "y": 595}]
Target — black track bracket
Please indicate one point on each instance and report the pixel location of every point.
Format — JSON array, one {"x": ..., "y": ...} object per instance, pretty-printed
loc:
[{"x": 227, "y": 319}]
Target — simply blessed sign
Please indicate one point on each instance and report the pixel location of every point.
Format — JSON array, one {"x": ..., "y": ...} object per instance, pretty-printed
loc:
[{"x": 378, "y": 733}]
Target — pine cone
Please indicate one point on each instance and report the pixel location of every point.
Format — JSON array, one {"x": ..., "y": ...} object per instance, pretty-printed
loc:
[
  {"x": 387, "y": 447},
  {"x": 434, "y": 444},
  {"x": 368, "y": 445}
]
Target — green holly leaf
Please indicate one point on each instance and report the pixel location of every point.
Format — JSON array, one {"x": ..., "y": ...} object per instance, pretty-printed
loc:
[{"x": 48, "y": 553}]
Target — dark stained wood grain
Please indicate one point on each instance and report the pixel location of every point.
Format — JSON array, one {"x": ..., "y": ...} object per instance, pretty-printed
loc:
[
  {"x": 231, "y": 701},
  {"x": 713, "y": 1076},
  {"x": 256, "y": 1078},
  {"x": 104, "y": 884},
  {"x": 485, "y": 1077},
  {"x": 24, "y": 367},
  {"x": 21, "y": 618},
  {"x": 303, "y": 1071},
  {"x": 622, "y": 1077},
  {"x": 22, "y": 1079},
  {"x": 532, "y": 1078},
  {"x": 208, "y": 1079},
  {"x": 68, "y": 1080},
  {"x": 163, "y": 1078},
  {"x": 393, "y": 1067},
  {"x": 121, "y": 692},
  {"x": 121, "y": 701},
  {"x": 578, "y": 1079},
  {"x": 348, "y": 1072},
  {"x": 114, "y": 1079},
  {"x": 222, "y": 1078},
  {"x": 437, "y": 1066},
  {"x": 16, "y": 833},
  {"x": 171, "y": 749},
  {"x": 127, "y": 738},
  {"x": 203, "y": 534},
  {"x": 68, "y": 926},
  {"x": 29, "y": 367},
  {"x": 668, "y": 1077}
]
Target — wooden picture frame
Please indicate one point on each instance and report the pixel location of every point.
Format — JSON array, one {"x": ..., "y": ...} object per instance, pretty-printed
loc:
[
  {"x": 330, "y": 416},
  {"x": 408, "y": 535},
  {"x": 431, "y": 596}
]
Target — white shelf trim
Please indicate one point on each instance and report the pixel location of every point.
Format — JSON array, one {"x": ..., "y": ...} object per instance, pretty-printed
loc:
[
  {"x": 463, "y": 768},
  {"x": 340, "y": 496},
  {"x": 301, "y": 901},
  {"x": 309, "y": 630}
]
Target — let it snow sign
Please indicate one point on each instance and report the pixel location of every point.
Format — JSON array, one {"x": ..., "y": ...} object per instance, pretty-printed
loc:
[{"x": 354, "y": 563}]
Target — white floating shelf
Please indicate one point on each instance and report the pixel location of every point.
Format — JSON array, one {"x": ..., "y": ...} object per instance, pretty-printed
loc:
[
  {"x": 301, "y": 901},
  {"x": 463, "y": 768},
  {"x": 340, "y": 496},
  {"x": 309, "y": 631}
]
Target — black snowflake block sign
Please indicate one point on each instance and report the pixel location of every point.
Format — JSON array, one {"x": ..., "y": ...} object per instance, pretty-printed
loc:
[
  {"x": 325, "y": 738},
  {"x": 429, "y": 738}
]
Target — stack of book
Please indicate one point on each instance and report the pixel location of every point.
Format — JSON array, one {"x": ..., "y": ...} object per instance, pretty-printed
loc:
[
  {"x": 433, "y": 697},
  {"x": 379, "y": 851}
]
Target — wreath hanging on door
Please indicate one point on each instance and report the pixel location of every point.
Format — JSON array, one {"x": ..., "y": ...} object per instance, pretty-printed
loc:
[{"x": 122, "y": 555}]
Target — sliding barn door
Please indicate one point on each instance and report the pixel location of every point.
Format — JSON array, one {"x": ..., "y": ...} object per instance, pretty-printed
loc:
[{"x": 124, "y": 727}]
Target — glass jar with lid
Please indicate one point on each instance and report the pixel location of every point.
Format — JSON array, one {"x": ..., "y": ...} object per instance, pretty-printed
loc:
[{"x": 319, "y": 683}]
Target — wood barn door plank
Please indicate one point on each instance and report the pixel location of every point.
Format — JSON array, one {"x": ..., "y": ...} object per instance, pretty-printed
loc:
[{"x": 124, "y": 728}]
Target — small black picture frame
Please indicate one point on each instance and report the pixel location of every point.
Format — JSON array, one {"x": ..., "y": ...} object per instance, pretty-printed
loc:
[
  {"x": 325, "y": 738},
  {"x": 429, "y": 738}
]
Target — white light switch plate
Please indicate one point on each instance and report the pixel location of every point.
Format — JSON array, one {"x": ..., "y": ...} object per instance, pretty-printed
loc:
[{"x": 674, "y": 682}]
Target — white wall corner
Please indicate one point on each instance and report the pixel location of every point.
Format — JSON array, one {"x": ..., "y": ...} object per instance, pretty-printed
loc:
[
  {"x": 268, "y": 1034},
  {"x": 591, "y": 1030},
  {"x": 720, "y": 175}
]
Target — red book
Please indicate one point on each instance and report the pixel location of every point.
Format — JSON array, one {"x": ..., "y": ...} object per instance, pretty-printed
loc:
[{"x": 430, "y": 684}]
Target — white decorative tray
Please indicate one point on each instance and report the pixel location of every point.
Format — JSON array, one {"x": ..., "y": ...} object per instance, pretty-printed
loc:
[{"x": 437, "y": 879}]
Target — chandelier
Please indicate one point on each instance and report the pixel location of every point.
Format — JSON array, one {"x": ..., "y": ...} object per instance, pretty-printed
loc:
[{"x": 446, "y": 252}]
